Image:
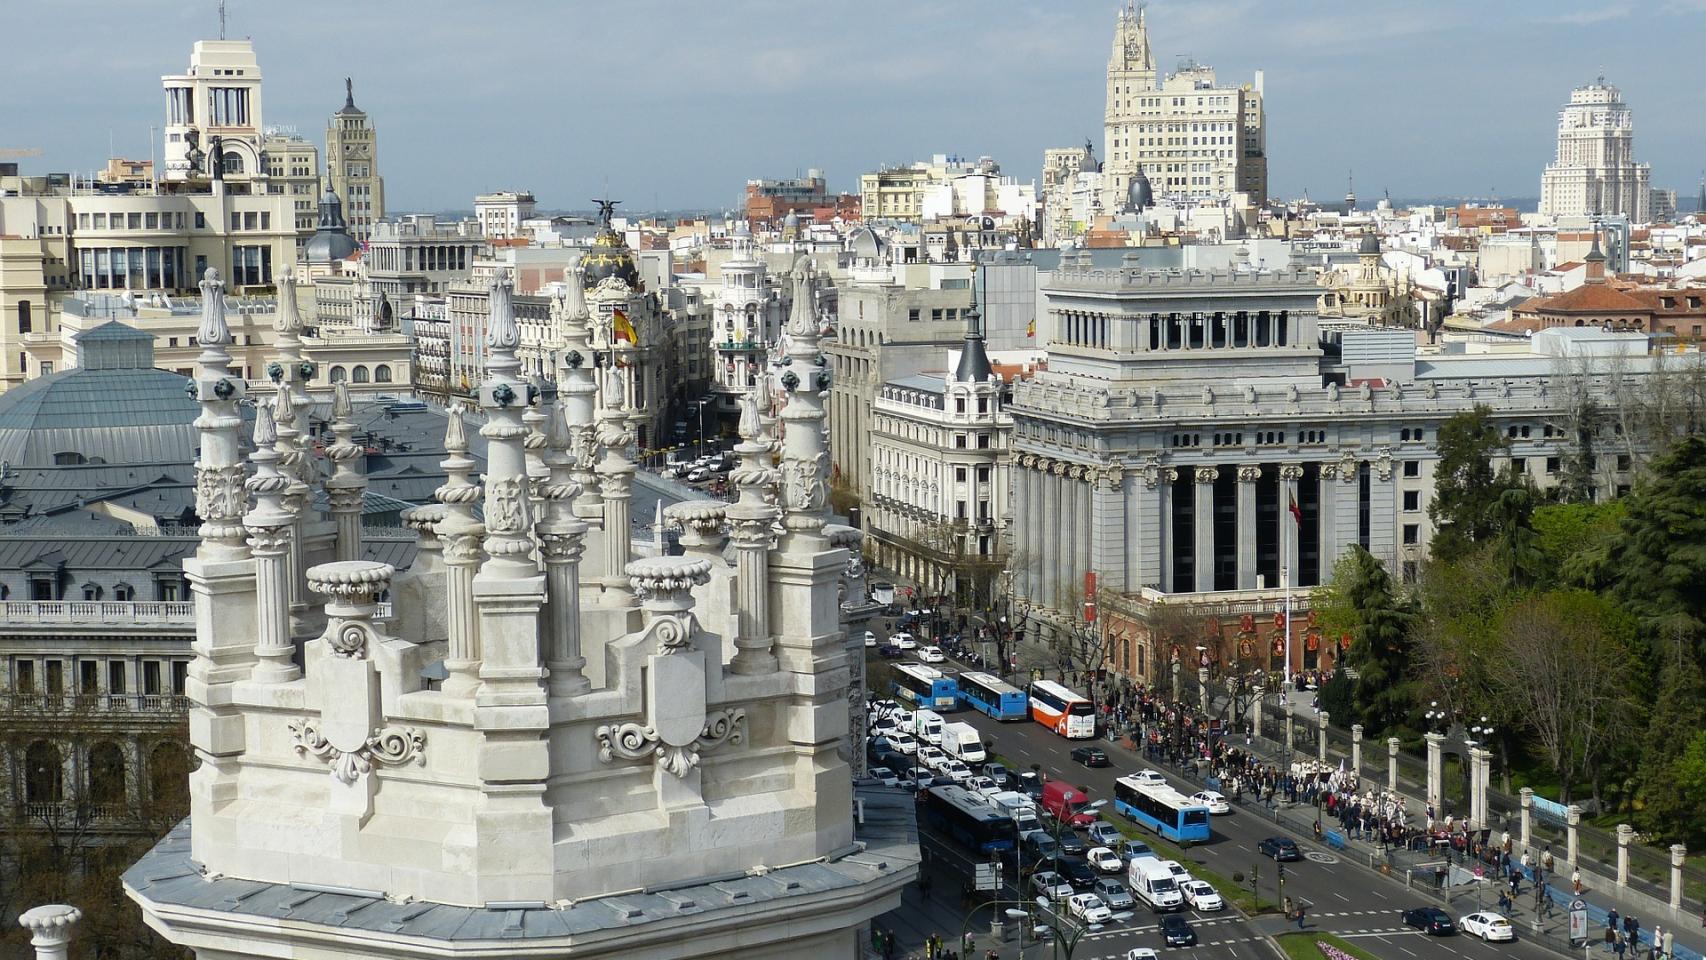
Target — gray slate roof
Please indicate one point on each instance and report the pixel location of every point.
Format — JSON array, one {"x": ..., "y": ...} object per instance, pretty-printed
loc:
[{"x": 166, "y": 874}]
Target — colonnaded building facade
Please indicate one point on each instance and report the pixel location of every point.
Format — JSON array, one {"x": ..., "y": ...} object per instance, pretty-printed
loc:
[
  {"x": 1194, "y": 435},
  {"x": 558, "y": 746}
]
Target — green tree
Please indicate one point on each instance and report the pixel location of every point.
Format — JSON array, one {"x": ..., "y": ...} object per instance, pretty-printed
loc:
[
  {"x": 1664, "y": 803},
  {"x": 1516, "y": 544},
  {"x": 1658, "y": 560},
  {"x": 1466, "y": 488},
  {"x": 1575, "y": 538},
  {"x": 1380, "y": 651}
]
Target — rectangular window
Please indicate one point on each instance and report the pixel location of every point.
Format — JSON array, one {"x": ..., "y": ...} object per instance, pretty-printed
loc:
[
  {"x": 88, "y": 676},
  {"x": 1551, "y": 464},
  {"x": 134, "y": 221},
  {"x": 983, "y": 441},
  {"x": 151, "y": 678},
  {"x": 1412, "y": 468},
  {"x": 24, "y": 676},
  {"x": 959, "y": 474},
  {"x": 1412, "y": 500},
  {"x": 55, "y": 677},
  {"x": 115, "y": 676},
  {"x": 152, "y": 221},
  {"x": 180, "y": 674},
  {"x": 959, "y": 441},
  {"x": 982, "y": 474},
  {"x": 200, "y": 223},
  {"x": 1412, "y": 533}
]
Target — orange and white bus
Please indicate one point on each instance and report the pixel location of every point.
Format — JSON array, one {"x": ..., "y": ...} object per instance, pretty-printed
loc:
[{"x": 1059, "y": 709}]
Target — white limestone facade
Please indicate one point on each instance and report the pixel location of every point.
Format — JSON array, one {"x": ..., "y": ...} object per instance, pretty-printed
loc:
[
  {"x": 612, "y": 765},
  {"x": 1595, "y": 173}
]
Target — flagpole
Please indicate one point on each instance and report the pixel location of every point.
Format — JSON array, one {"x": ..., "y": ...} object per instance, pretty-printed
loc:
[{"x": 1285, "y": 581}]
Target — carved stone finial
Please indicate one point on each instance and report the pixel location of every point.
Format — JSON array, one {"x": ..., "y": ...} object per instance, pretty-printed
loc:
[
  {"x": 667, "y": 576},
  {"x": 51, "y": 927},
  {"x": 213, "y": 330},
  {"x": 350, "y": 583},
  {"x": 701, "y": 521},
  {"x": 288, "y": 319}
]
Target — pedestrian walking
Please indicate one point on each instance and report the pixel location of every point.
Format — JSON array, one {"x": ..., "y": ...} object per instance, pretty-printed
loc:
[{"x": 1576, "y": 881}]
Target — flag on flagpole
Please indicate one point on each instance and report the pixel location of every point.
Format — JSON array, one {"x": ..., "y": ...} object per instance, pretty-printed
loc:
[
  {"x": 1031, "y": 328},
  {"x": 622, "y": 329},
  {"x": 1296, "y": 511}
]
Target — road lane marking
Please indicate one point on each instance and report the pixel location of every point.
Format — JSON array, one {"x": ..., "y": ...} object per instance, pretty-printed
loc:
[{"x": 1341, "y": 896}]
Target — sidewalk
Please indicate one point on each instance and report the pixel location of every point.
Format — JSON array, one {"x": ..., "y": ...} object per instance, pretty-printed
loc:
[{"x": 1599, "y": 895}]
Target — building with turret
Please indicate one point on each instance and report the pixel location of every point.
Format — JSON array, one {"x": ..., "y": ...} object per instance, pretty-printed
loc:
[
  {"x": 352, "y": 165},
  {"x": 565, "y": 747},
  {"x": 1595, "y": 173}
]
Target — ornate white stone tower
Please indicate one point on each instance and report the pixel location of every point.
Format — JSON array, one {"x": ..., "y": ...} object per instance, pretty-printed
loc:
[
  {"x": 611, "y": 768},
  {"x": 1595, "y": 173}
]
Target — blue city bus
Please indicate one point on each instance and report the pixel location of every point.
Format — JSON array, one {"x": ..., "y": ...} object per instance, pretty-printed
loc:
[
  {"x": 1162, "y": 809},
  {"x": 994, "y": 697},
  {"x": 924, "y": 687},
  {"x": 958, "y": 813}
]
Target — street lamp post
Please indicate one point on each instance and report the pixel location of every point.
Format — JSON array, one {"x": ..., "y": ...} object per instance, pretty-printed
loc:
[
  {"x": 1068, "y": 932},
  {"x": 1012, "y": 914}
]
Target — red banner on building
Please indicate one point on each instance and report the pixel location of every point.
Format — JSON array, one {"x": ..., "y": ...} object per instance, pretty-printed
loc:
[{"x": 1090, "y": 596}]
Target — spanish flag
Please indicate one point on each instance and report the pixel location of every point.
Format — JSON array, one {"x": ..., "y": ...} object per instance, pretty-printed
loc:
[
  {"x": 623, "y": 329},
  {"x": 1031, "y": 328}
]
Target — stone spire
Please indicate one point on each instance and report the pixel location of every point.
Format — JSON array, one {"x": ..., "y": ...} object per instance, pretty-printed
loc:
[
  {"x": 562, "y": 542},
  {"x": 293, "y": 372},
  {"x": 460, "y": 534},
  {"x": 347, "y": 486},
  {"x": 576, "y": 382},
  {"x": 291, "y": 463},
  {"x": 805, "y": 455},
  {"x": 219, "y": 493},
  {"x": 270, "y": 527},
  {"x": 616, "y": 479},
  {"x": 752, "y": 525}
]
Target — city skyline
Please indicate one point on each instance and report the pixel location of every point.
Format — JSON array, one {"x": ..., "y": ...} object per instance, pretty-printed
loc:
[{"x": 1020, "y": 79}]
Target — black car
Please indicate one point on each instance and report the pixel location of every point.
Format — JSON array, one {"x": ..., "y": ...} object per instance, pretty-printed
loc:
[
  {"x": 1027, "y": 783},
  {"x": 889, "y": 651},
  {"x": 1089, "y": 756},
  {"x": 1430, "y": 920},
  {"x": 1077, "y": 872},
  {"x": 1280, "y": 848},
  {"x": 1071, "y": 845},
  {"x": 1040, "y": 846},
  {"x": 1176, "y": 931}
]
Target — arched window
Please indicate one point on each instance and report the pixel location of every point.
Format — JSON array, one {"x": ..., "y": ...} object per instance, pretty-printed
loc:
[
  {"x": 168, "y": 774},
  {"x": 106, "y": 773},
  {"x": 44, "y": 775},
  {"x": 382, "y": 373},
  {"x": 337, "y": 375},
  {"x": 360, "y": 374}
]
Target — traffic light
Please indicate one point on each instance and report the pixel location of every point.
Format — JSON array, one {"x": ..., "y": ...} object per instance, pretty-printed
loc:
[{"x": 1281, "y": 872}]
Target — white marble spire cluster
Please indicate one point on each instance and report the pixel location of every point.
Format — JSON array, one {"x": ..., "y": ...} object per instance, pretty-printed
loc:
[
  {"x": 461, "y": 534},
  {"x": 805, "y": 449},
  {"x": 577, "y": 384},
  {"x": 346, "y": 488},
  {"x": 271, "y": 532},
  {"x": 219, "y": 475}
]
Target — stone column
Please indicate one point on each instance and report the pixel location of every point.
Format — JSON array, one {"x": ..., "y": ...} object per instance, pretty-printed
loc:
[
  {"x": 1392, "y": 764},
  {"x": 51, "y": 928},
  {"x": 1202, "y": 690},
  {"x": 1435, "y": 780},
  {"x": 1477, "y": 789},
  {"x": 561, "y": 543},
  {"x": 752, "y": 525},
  {"x": 1321, "y": 734},
  {"x": 1289, "y": 474},
  {"x": 1356, "y": 749},
  {"x": 1625, "y": 834},
  {"x": 461, "y": 535},
  {"x": 1165, "y": 477},
  {"x": 346, "y": 487},
  {"x": 1051, "y": 560},
  {"x": 1484, "y": 770},
  {"x": 1527, "y": 801},
  {"x": 579, "y": 389},
  {"x": 1202, "y": 526},
  {"x": 1678, "y": 857},
  {"x": 270, "y": 525},
  {"x": 1572, "y": 820},
  {"x": 1327, "y": 519},
  {"x": 1248, "y": 474},
  {"x": 1256, "y": 712},
  {"x": 616, "y": 484},
  {"x": 1290, "y": 729},
  {"x": 1082, "y": 482},
  {"x": 292, "y": 374}
]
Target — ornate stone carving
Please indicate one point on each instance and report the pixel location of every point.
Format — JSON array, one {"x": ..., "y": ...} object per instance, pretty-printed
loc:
[
  {"x": 1114, "y": 475},
  {"x": 1329, "y": 470},
  {"x": 506, "y": 506},
  {"x": 1249, "y": 473},
  {"x": 1291, "y": 471},
  {"x": 386, "y": 746},
  {"x": 219, "y": 492},
  {"x": 1383, "y": 465},
  {"x": 636, "y": 741},
  {"x": 1207, "y": 396},
  {"x": 1348, "y": 467},
  {"x": 651, "y": 575},
  {"x": 803, "y": 485},
  {"x": 1207, "y": 474}
]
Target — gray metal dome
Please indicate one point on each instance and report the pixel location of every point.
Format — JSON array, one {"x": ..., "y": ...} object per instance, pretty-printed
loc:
[
  {"x": 1370, "y": 244},
  {"x": 1139, "y": 195},
  {"x": 331, "y": 240}
]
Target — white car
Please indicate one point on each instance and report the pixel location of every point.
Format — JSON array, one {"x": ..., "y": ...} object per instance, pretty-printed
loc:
[
  {"x": 1488, "y": 926},
  {"x": 1201, "y": 896},
  {"x": 904, "y": 641},
  {"x": 883, "y": 775},
  {"x": 983, "y": 785},
  {"x": 870, "y": 638},
  {"x": 931, "y": 757},
  {"x": 1141, "y": 953},
  {"x": 932, "y": 655},
  {"x": 698, "y": 475},
  {"x": 1180, "y": 874},
  {"x": 1089, "y": 908},
  {"x": 1149, "y": 776},
  {"x": 1047, "y": 883},
  {"x": 1215, "y": 803},
  {"x": 956, "y": 771},
  {"x": 902, "y": 742},
  {"x": 1105, "y": 860}
]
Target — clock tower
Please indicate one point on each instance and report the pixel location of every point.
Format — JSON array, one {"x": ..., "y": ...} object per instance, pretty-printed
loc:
[{"x": 352, "y": 166}]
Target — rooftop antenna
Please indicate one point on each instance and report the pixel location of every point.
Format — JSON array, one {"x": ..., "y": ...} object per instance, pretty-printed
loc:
[{"x": 222, "y": 19}]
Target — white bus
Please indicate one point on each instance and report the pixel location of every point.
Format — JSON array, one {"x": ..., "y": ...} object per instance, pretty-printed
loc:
[{"x": 1062, "y": 711}]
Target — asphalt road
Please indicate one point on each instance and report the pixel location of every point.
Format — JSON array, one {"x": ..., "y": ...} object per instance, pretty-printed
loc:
[{"x": 1346, "y": 899}]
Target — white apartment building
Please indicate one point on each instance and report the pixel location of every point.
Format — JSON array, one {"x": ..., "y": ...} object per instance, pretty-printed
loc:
[
  {"x": 500, "y": 214},
  {"x": 944, "y": 186},
  {"x": 292, "y": 165},
  {"x": 218, "y": 98},
  {"x": 1595, "y": 173}
]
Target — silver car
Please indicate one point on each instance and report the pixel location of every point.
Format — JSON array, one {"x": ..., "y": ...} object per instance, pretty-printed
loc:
[{"x": 1114, "y": 894}]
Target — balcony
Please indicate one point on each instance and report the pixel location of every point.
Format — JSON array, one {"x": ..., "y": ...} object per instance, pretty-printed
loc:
[
  {"x": 94, "y": 704},
  {"x": 746, "y": 345},
  {"x": 119, "y": 613}
]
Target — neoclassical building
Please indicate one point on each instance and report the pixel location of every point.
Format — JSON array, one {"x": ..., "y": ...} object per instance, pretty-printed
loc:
[
  {"x": 1194, "y": 434},
  {"x": 555, "y": 747}
]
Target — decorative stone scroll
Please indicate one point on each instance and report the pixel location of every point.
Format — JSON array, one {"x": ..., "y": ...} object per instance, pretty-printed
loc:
[
  {"x": 387, "y": 746},
  {"x": 636, "y": 741}
]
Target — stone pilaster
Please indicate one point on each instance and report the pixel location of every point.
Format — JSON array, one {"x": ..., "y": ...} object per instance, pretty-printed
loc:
[
  {"x": 461, "y": 535},
  {"x": 346, "y": 488},
  {"x": 1202, "y": 526},
  {"x": 1291, "y": 530},
  {"x": 1248, "y": 474},
  {"x": 752, "y": 527},
  {"x": 562, "y": 537},
  {"x": 270, "y": 528}
]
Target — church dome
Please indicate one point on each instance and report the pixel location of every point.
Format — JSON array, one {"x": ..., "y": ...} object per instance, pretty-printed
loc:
[
  {"x": 609, "y": 257},
  {"x": 1370, "y": 245},
  {"x": 1139, "y": 195}
]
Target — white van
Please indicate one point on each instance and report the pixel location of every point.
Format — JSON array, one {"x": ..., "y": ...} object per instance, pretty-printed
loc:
[
  {"x": 1154, "y": 884},
  {"x": 927, "y": 726},
  {"x": 962, "y": 742},
  {"x": 1020, "y": 808}
]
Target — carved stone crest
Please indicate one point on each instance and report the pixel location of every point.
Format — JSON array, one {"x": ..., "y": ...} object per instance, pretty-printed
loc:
[
  {"x": 219, "y": 492},
  {"x": 506, "y": 507},
  {"x": 636, "y": 741},
  {"x": 803, "y": 486},
  {"x": 386, "y": 746}
]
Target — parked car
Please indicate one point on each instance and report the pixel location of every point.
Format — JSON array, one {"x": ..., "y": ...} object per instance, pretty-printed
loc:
[
  {"x": 1077, "y": 872},
  {"x": 1282, "y": 849},
  {"x": 870, "y": 638},
  {"x": 698, "y": 475},
  {"x": 931, "y": 758},
  {"x": 1141, "y": 953},
  {"x": 1071, "y": 845},
  {"x": 932, "y": 655},
  {"x": 1180, "y": 874},
  {"x": 904, "y": 641},
  {"x": 1201, "y": 895},
  {"x": 982, "y": 785},
  {"x": 956, "y": 771},
  {"x": 1215, "y": 803},
  {"x": 889, "y": 651},
  {"x": 1104, "y": 834},
  {"x": 1176, "y": 931},
  {"x": 1130, "y": 850},
  {"x": 901, "y": 742},
  {"x": 1489, "y": 927},
  {"x": 1039, "y": 846},
  {"x": 996, "y": 772},
  {"x": 1430, "y": 920},
  {"x": 1047, "y": 883},
  {"x": 883, "y": 775},
  {"x": 1029, "y": 782},
  {"x": 1105, "y": 860},
  {"x": 1089, "y": 908},
  {"x": 1114, "y": 894},
  {"x": 1089, "y": 756}
]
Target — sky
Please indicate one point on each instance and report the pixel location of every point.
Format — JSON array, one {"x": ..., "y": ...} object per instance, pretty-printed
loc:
[{"x": 667, "y": 104}]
